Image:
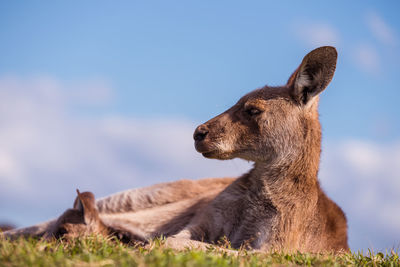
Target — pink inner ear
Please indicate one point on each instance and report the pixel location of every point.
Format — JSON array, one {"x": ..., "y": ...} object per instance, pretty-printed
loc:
[
  {"x": 292, "y": 78},
  {"x": 78, "y": 202},
  {"x": 85, "y": 203},
  {"x": 314, "y": 74}
]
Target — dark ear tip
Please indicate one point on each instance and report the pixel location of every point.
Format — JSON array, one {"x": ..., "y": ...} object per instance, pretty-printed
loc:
[
  {"x": 326, "y": 51},
  {"x": 85, "y": 194},
  {"x": 328, "y": 48},
  {"x": 84, "y": 199},
  {"x": 314, "y": 73},
  {"x": 89, "y": 194},
  {"x": 331, "y": 50}
]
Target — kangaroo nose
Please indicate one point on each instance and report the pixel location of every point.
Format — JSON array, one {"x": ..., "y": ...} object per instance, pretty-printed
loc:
[{"x": 200, "y": 133}]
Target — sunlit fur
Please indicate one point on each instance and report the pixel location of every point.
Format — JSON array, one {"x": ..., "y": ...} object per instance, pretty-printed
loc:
[{"x": 278, "y": 205}]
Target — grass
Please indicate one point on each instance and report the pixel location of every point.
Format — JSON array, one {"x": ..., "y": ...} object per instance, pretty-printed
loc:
[{"x": 98, "y": 251}]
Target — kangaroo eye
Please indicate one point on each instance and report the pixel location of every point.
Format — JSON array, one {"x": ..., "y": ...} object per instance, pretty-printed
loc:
[{"x": 253, "y": 111}]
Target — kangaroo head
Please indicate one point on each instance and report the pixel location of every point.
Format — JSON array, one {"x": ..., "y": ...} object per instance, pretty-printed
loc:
[
  {"x": 271, "y": 122},
  {"x": 82, "y": 219}
]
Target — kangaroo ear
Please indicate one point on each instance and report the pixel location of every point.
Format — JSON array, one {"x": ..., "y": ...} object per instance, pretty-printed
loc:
[
  {"x": 85, "y": 203},
  {"x": 313, "y": 75}
]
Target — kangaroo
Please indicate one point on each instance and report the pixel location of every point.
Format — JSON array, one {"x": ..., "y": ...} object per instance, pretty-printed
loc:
[
  {"x": 6, "y": 227},
  {"x": 277, "y": 205},
  {"x": 161, "y": 209}
]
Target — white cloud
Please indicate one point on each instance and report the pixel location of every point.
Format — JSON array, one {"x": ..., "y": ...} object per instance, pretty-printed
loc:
[
  {"x": 367, "y": 58},
  {"x": 364, "y": 177},
  {"x": 9, "y": 170},
  {"x": 317, "y": 34},
  {"x": 364, "y": 157},
  {"x": 380, "y": 29},
  {"x": 46, "y": 153},
  {"x": 363, "y": 54}
]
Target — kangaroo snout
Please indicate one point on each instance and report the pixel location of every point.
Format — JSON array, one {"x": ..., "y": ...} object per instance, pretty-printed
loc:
[
  {"x": 199, "y": 137},
  {"x": 200, "y": 133}
]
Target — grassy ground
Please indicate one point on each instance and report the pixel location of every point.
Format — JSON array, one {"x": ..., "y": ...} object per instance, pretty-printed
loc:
[{"x": 97, "y": 251}]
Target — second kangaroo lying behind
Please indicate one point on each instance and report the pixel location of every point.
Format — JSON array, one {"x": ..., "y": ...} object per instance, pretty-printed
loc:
[{"x": 277, "y": 205}]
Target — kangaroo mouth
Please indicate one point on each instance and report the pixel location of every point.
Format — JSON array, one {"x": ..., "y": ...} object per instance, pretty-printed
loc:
[
  {"x": 215, "y": 154},
  {"x": 203, "y": 147},
  {"x": 210, "y": 154},
  {"x": 210, "y": 151}
]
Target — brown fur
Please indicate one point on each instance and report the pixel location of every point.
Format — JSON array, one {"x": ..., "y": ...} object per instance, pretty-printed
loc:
[
  {"x": 278, "y": 205},
  {"x": 6, "y": 227}
]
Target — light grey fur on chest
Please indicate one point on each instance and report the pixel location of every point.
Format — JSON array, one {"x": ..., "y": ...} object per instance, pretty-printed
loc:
[{"x": 246, "y": 220}]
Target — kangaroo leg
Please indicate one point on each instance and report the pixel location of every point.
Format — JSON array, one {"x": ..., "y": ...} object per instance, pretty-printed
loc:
[
  {"x": 37, "y": 230},
  {"x": 135, "y": 200},
  {"x": 159, "y": 194}
]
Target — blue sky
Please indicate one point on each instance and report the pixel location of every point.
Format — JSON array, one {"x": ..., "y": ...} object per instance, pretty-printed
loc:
[
  {"x": 181, "y": 52},
  {"x": 94, "y": 89}
]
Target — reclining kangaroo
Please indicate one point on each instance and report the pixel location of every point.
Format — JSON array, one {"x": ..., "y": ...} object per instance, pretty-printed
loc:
[{"x": 278, "y": 204}]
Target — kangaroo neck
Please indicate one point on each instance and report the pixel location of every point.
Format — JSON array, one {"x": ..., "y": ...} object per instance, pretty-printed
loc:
[{"x": 289, "y": 180}]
